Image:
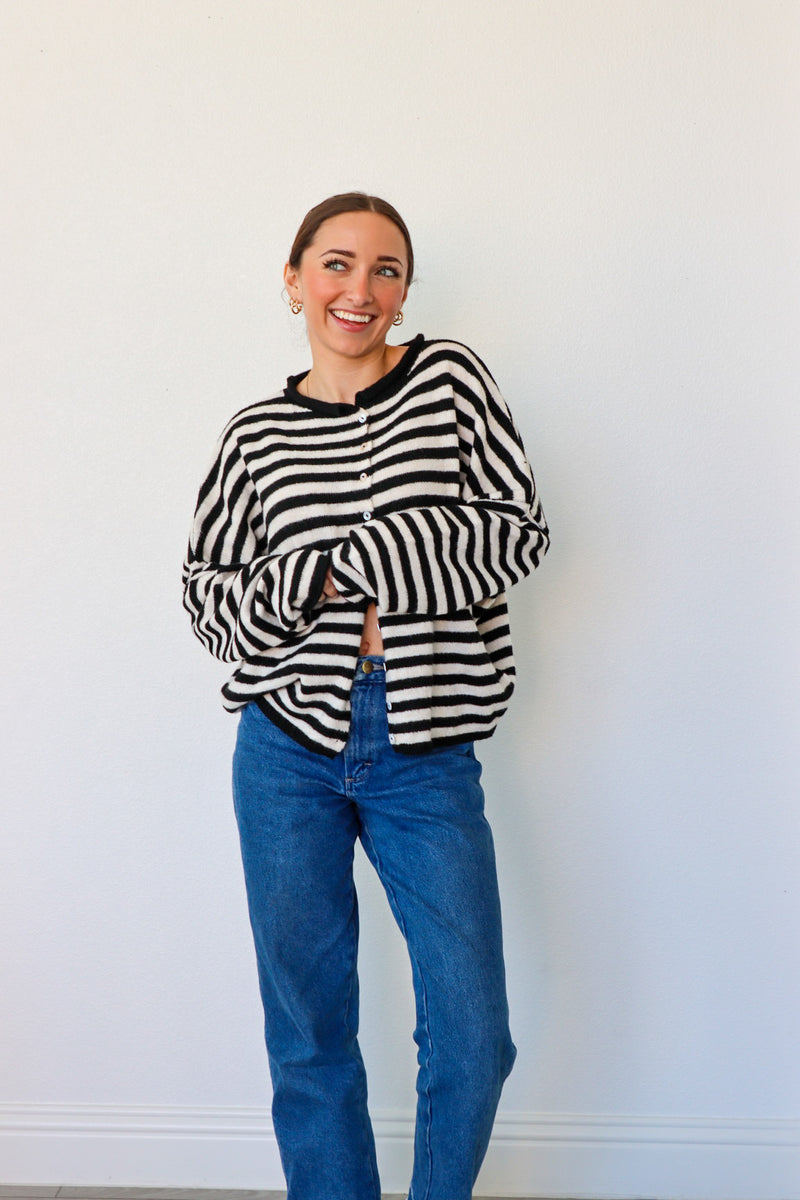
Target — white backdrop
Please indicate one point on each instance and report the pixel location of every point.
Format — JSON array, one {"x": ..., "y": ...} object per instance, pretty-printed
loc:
[{"x": 604, "y": 200}]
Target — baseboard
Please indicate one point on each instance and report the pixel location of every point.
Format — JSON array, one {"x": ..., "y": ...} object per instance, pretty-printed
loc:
[{"x": 532, "y": 1154}]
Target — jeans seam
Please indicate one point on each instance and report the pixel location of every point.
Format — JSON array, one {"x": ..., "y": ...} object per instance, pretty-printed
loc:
[
  {"x": 424, "y": 1005},
  {"x": 353, "y": 972}
]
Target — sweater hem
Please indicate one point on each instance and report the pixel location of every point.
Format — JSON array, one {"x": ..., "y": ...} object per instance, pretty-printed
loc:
[{"x": 292, "y": 731}]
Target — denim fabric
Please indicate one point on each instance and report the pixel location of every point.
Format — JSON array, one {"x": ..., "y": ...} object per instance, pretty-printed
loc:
[{"x": 420, "y": 820}]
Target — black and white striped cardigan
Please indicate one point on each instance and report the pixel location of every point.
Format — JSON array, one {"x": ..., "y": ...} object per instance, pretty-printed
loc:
[{"x": 420, "y": 498}]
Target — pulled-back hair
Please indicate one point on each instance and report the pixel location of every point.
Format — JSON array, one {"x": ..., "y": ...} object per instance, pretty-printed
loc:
[{"x": 347, "y": 202}]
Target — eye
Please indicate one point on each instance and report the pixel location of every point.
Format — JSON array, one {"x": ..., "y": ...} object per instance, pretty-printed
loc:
[
  {"x": 334, "y": 264},
  {"x": 392, "y": 272}
]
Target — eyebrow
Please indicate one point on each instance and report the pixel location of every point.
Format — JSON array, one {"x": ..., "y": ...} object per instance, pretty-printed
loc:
[{"x": 350, "y": 254}]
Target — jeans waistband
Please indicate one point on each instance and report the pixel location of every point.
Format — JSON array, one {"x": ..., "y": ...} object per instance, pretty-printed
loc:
[{"x": 370, "y": 668}]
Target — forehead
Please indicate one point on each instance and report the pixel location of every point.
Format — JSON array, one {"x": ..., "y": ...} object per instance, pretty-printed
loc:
[{"x": 365, "y": 232}]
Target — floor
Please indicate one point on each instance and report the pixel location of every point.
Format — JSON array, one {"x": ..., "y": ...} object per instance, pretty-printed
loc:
[{"x": 11, "y": 1191}]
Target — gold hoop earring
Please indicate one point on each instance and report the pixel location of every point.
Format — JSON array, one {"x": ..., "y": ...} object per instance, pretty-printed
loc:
[
  {"x": 399, "y": 318},
  {"x": 296, "y": 305}
]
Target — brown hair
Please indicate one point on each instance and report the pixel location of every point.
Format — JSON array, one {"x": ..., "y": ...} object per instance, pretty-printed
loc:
[{"x": 347, "y": 202}]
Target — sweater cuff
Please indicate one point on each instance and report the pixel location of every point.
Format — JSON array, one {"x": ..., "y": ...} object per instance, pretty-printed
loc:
[
  {"x": 349, "y": 574},
  {"x": 290, "y": 585},
  {"x": 315, "y": 582}
]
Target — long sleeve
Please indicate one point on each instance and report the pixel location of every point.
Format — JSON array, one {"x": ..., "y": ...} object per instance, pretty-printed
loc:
[
  {"x": 242, "y": 601},
  {"x": 440, "y": 559}
]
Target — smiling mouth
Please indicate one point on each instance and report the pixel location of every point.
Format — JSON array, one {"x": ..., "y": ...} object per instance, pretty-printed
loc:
[{"x": 352, "y": 318}]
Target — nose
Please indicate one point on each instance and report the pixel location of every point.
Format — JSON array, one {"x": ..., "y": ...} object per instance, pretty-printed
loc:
[{"x": 361, "y": 286}]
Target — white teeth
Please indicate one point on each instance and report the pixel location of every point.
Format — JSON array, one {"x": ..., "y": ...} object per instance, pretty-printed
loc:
[{"x": 362, "y": 318}]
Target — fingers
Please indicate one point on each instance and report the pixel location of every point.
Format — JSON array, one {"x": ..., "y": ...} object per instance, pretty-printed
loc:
[{"x": 329, "y": 588}]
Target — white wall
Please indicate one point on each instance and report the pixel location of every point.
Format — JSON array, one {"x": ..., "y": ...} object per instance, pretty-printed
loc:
[{"x": 604, "y": 198}]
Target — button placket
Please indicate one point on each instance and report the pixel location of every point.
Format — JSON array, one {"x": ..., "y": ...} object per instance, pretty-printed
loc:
[{"x": 364, "y": 476}]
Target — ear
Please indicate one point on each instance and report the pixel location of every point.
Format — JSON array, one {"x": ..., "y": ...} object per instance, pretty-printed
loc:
[{"x": 291, "y": 279}]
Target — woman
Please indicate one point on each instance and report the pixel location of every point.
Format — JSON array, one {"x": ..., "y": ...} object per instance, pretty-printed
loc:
[{"x": 351, "y": 547}]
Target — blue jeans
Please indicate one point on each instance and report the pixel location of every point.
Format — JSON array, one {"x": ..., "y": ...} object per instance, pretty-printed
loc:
[{"x": 420, "y": 820}]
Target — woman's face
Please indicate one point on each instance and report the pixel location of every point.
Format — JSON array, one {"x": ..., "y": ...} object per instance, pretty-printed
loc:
[{"x": 352, "y": 282}]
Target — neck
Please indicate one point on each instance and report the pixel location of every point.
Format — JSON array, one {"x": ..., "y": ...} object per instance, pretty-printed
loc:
[{"x": 337, "y": 381}]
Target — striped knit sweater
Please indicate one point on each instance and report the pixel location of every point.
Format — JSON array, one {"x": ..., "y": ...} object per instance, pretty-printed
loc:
[{"x": 419, "y": 497}]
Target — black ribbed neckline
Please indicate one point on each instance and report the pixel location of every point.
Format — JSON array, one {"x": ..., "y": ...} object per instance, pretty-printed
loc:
[{"x": 363, "y": 398}]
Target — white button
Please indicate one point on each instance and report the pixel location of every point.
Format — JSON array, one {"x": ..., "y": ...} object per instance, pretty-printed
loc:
[
  {"x": 391, "y": 738},
  {"x": 362, "y": 417},
  {"x": 367, "y": 516},
  {"x": 389, "y": 705},
  {"x": 363, "y": 475}
]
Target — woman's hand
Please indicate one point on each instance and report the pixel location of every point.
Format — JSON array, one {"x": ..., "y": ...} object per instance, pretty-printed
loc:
[{"x": 329, "y": 590}]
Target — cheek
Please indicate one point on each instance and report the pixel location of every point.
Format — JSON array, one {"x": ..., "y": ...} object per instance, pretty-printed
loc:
[
  {"x": 320, "y": 289},
  {"x": 394, "y": 297}
]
